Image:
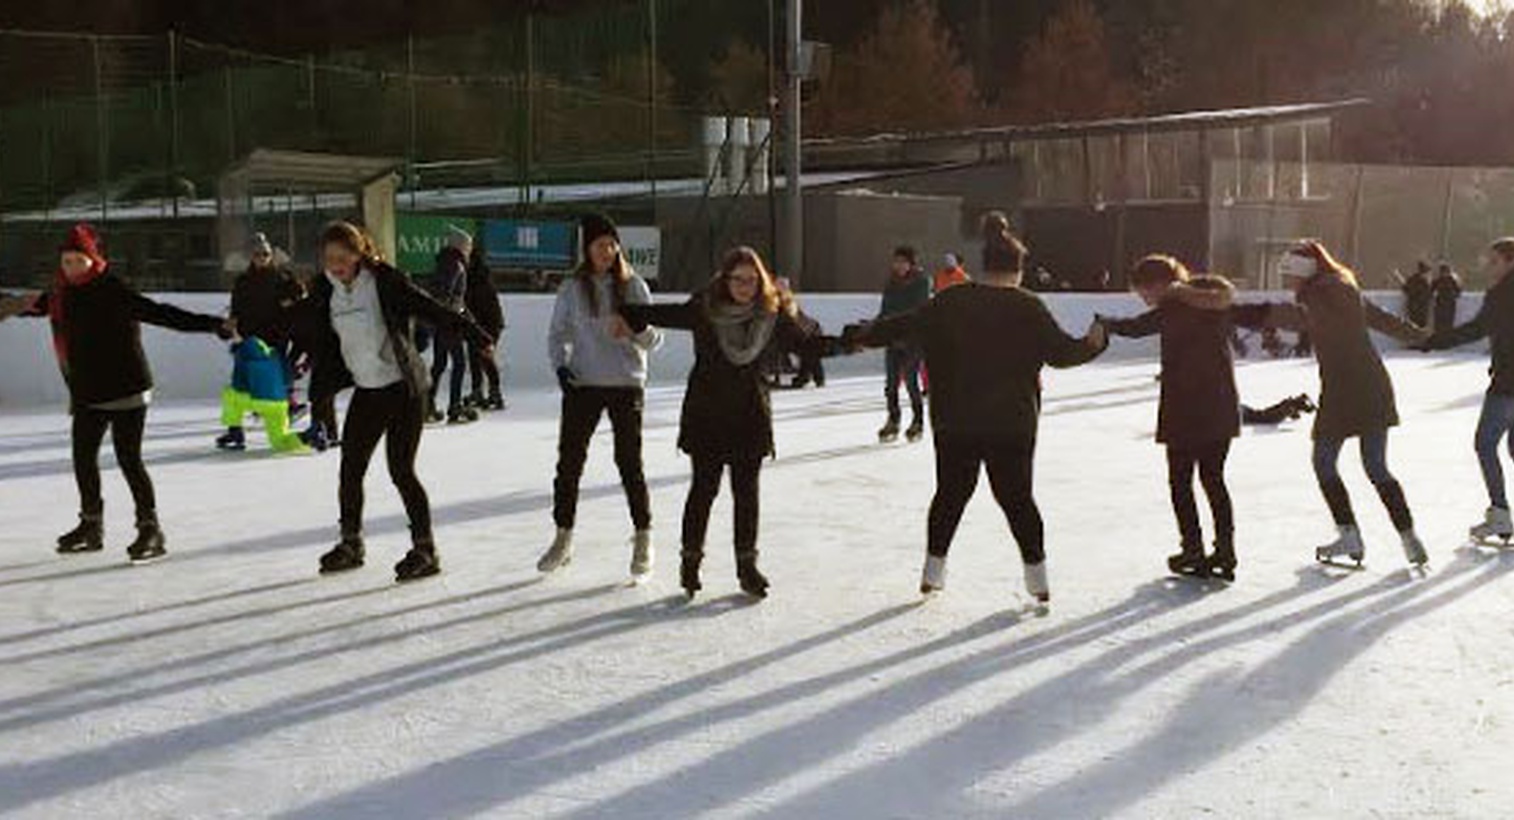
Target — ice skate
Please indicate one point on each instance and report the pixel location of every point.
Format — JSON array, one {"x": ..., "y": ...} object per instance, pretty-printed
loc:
[
  {"x": 933, "y": 578},
  {"x": 89, "y": 536},
  {"x": 642, "y": 557},
  {"x": 1035, "y": 583},
  {"x": 1222, "y": 563},
  {"x": 753, "y": 582},
  {"x": 688, "y": 574},
  {"x": 559, "y": 555},
  {"x": 1348, "y": 545},
  {"x": 347, "y": 555},
  {"x": 916, "y": 430},
  {"x": 149, "y": 544},
  {"x": 420, "y": 562},
  {"x": 1190, "y": 562},
  {"x": 1496, "y": 529},
  {"x": 890, "y": 432},
  {"x": 233, "y": 440},
  {"x": 462, "y": 415},
  {"x": 1414, "y": 549}
]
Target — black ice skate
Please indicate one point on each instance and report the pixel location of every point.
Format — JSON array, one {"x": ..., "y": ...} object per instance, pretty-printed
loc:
[
  {"x": 420, "y": 562},
  {"x": 890, "y": 432},
  {"x": 234, "y": 440},
  {"x": 752, "y": 580},
  {"x": 916, "y": 430},
  {"x": 1190, "y": 563},
  {"x": 150, "y": 545},
  {"x": 688, "y": 574},
  {"x": 1222, "y": 563},
  {"x": 345, "y": 556},
  {"x": 89, "y": 536}
]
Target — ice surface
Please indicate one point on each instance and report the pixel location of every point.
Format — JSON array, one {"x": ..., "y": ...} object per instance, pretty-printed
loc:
[{"x": 229, "y": 680}]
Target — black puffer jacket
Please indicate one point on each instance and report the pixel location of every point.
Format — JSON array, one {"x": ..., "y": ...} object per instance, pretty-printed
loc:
[
  {"x": 102, "y": 323},
  {"x": 261, "y": 301},
  {"x": 402, "y": 303},
  {"x": 483, "y": 298},
  {"x": 727, "y": 410}
]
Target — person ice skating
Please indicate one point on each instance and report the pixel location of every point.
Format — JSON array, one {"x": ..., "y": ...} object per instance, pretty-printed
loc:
[
  {"x": 727, "y": 419},
  {"x": 1496, "y": 320},
  {"x": 1418, "y": 295},
  {"x": 601, "y": 366},
  {"x": 259, "y": 386},
  {"x": 1356, "y": 393},
  {"x": 1198, "y": 414},
  {"x": 1447, "y": 290},
  {"x": 449, "y": 284},
  {"x": 986, "y": 343},
  {"x": 951, "y": 274},
  {"x": 484, "y": 306},
  {"x": 97, "y": 337},
  {"x": 1289, "y": 409},
  {"x": 907, "y": 290},
  {"x": 261, "y": 300},
  {"x": 359, "y": 327}
]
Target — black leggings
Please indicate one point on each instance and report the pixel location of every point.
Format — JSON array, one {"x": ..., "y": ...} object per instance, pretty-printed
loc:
[
  {"x": 1010, "y": 474},
  {"x": 447, "y": 346},
  {"x": 395, "y": 415},
  {"x": 581, "y": 411},
  {"x": 1209, "y": 459},
  {"x": 745, "y": 474},
  {"x": 483, "y": 367},
  {"x": 126, "y": 428}
]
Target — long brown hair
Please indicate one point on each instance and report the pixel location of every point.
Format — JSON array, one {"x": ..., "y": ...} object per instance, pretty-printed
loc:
[
  {"x": 352, "y": 238},
  {"x": 769, "y": 296},
  {"x": 1326, "y": 262},
  {"x": 620, "y": 279},
  {"x": 1158, "y": 269}
]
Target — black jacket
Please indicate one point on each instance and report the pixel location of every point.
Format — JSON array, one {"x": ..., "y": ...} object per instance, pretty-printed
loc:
[
  {"x": 1447, "y": 291},
  {"x": 1199, "y": 405},
  {"x": 1495, "y": 320},
  {"x": 261, "y": 301},
  {"x": 402, "y": 303},
  {"x": 985, "y": 347},
  {"x": 727, "y": 410},
  {"x": 483, "y": 299},
  {"x": 102, "y": 323},
  {"x": 1418, "y": 294}
]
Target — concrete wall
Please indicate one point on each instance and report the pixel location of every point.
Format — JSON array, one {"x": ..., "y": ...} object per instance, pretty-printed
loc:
[{"x": 196, "y": 367}]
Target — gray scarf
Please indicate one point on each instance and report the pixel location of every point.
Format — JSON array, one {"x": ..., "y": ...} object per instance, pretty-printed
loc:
[{"x": 742, "y": 330}]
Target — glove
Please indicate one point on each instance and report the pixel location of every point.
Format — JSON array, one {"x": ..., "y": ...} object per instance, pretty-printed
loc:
[{"x": 565, "y": 379}]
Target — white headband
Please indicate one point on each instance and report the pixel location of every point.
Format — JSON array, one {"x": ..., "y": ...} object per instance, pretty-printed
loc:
[{"x": 1297, "y": 267}]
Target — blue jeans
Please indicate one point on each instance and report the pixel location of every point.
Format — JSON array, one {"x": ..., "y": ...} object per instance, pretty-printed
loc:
[
  {"x": 1374, "y": 449},
  {"x": 1497, "y": 419}
]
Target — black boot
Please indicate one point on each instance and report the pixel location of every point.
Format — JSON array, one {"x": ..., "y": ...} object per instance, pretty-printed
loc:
[
  {"x": 752, "y": 580},
  {"x": 688, "y": 572},
  {"x": 346, "y": 555},
  {"x": 1222, "y": 563},
  {"x": 1190, "y": 561},
  {"x": 890, "y": 431},
  {"x": 420, "y": 562},
  {"x": 89, "y": 536},
  {"x": 149, "y": 545},
  {"x": 916, "y": 429}
]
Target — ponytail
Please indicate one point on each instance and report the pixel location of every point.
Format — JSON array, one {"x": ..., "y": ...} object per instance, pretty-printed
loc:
[{"x": 1003, "y": 253}]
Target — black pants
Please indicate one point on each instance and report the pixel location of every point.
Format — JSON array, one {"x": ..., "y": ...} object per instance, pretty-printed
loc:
[
  {"x": 745, "y": 474},
  {"x": 323, "y": 413},
  {"x": 126, "y": 428},
  {"x": 397, "y": 416},
  {"x": 483, "y": 367},
  {"x": 903, "y": 364},
  {"x": 448, "y": 349},
  {"x": 1210, "y": 462},
  {"x": 581, "y": 410},
  {"x": 1010, "y": 474}
]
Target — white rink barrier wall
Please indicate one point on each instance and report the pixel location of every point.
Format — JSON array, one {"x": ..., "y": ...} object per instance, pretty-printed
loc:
[{"x": 195, "y": 367}]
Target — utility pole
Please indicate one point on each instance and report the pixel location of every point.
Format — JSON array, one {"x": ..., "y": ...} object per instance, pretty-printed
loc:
[{"x": 793, "y": 256}]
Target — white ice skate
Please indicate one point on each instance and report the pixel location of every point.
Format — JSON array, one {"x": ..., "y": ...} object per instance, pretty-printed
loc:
[
  {"x": 642, "y": 556},
  {"x": 559, "y": 555},
  {"x": 1348, "y": 545},
  {"x": 1035, "y": 583},
  {"x": 1496, "y": 528},
  {"x": 933, "y": 579},
  {"x": 1414, "y": 549}
]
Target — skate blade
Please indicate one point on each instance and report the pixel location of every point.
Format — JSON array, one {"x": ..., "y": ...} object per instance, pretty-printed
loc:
[
  {"x": 636, "y": 581},
  {"x": 1355, "y": 565},
  {"x": 1495, "y": 542},
  {"x": 420, "y": 576},
  {"x": 147, "y": 559}
]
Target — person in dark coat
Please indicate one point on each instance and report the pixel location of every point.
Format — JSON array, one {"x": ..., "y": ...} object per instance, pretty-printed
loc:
[
  {"x": 1199, "y": 412},
  {"x": 908, "y": 289},
  {"x": 484, "y": 306},
  {"x": 1356, "y": 393},
  {"x": 727, "y": 419},
  {"x": 96, "y": 323},
  {"x": 1496, "y": 321},
  {"x": 261, "y": 300},
  {"x": 358, "y": 326},
  {"x": 986, "y": 343},
  {"x": 1447, "y": 290},
  {"x": 449, "y": 286},
  {"x": 1418, "y": 294}
]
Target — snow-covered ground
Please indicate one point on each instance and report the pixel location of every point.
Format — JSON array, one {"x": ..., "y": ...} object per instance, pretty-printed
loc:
[{"x": 231, "y": 681}]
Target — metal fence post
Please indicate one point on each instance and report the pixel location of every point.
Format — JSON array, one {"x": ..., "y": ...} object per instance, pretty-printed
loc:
[
  {"x": 173, "y": 119},
  {"x": 102, "y": 148}
]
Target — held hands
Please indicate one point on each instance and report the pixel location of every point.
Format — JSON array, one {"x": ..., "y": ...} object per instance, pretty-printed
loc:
[
  {"x": 565, "y": 379},
  {"x": 228, "y": 330},
  {"x": 619, "y": 328},
  {"x": 851, "y": 337}
]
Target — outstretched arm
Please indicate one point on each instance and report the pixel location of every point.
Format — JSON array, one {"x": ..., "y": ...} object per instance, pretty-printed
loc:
[
  {"x": 645, "y": 317},
  {"x": 419, "y": 304},
  {"x": 1468, "y": 333},
  {"x": 1139, "y": 327},
  {"x": 1061, "y": 350},
  {"x": 885, "y": 332},
  {"x": 1384, "y": 322},
  {"x": 150, "y": 312},
  {"x": 648, "y": 338}
]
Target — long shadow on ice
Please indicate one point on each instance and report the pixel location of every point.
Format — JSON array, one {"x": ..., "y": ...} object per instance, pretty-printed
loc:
[{"x": 935, "y": 779}]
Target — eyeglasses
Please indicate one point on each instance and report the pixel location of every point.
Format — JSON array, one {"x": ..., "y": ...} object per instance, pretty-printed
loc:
[{"x": 745, "y": 281}]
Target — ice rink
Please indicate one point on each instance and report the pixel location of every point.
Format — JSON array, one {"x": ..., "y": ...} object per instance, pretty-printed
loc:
[{"x": 231, "y": 681}]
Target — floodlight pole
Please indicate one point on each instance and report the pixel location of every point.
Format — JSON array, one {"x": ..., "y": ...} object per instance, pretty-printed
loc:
[{"x": 793, "y": 235}]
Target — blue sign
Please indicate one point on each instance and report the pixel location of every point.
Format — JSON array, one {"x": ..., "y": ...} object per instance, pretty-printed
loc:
[{"x": 527, "y": 245}]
